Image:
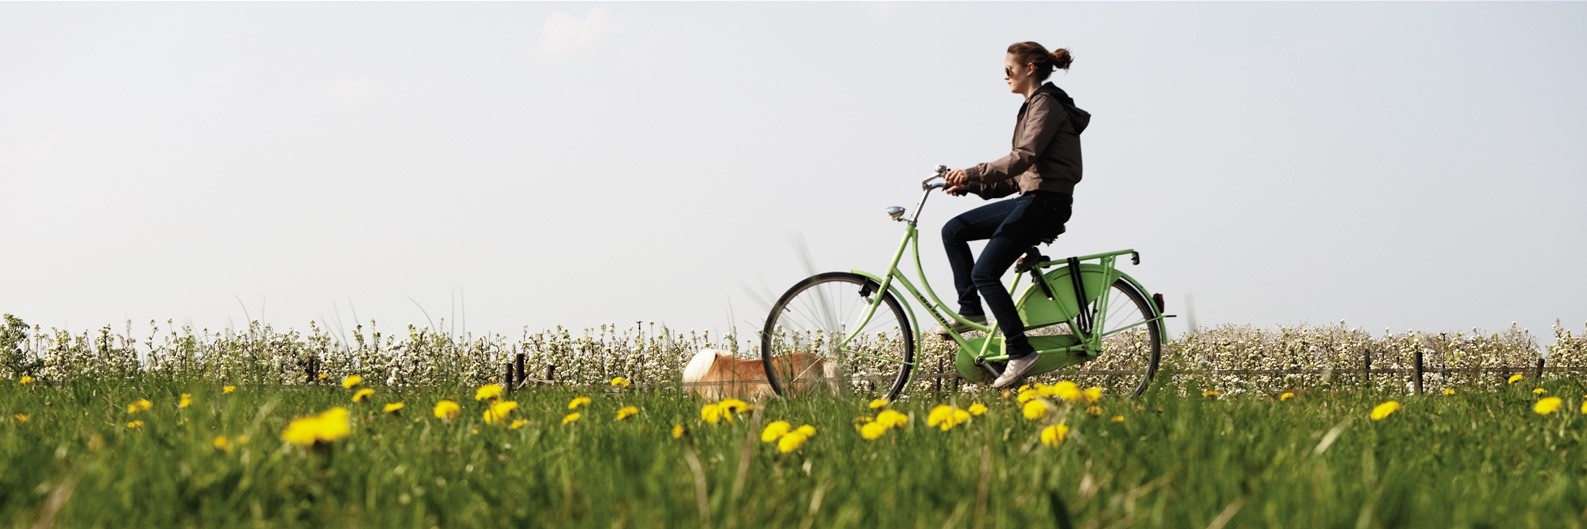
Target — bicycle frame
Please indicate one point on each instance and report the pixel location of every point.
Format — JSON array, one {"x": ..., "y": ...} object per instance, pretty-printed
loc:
[{"x": 1061, "y": 307}]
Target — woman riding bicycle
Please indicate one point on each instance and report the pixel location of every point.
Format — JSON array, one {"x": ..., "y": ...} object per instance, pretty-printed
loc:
[{"x": 1043, "y": 168}]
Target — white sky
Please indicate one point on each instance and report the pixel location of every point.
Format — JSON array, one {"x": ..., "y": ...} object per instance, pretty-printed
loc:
[{"x": 529, "y": 165}]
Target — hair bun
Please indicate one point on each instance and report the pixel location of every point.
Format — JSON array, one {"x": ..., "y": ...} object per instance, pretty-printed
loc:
[{"x": 1061, "y": 59}]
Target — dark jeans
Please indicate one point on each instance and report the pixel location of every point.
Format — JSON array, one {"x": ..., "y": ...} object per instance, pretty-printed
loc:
[{"x": 1010, "y": 227}]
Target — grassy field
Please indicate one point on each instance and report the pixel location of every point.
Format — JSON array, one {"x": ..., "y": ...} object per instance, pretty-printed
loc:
[{"x": 84, "y": 454}]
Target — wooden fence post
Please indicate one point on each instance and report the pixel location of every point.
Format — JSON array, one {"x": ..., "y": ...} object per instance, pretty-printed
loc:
[
  {"x": 518, "y": 367},
  {"x": 1418, "y": 371},
  {"x": 551, "y": 373},
  {"x": 1367, "y": 360},
  {"x": 506, "y": 378},
  {"x": 1540, "y": 368}
]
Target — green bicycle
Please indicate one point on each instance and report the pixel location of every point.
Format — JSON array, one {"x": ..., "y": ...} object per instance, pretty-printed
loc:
[{"x": 856, "y": 332}]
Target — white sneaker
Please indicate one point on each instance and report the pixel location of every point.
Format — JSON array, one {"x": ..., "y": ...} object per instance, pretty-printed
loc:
[
  {"x": 959, "y": 327},
  {"x": 1015, "y": 370}
]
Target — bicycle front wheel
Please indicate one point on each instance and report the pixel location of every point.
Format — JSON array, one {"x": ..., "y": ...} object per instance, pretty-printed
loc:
[{"x": 823, "y": 336}]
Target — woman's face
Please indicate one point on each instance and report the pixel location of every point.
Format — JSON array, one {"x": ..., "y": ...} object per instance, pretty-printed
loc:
[{"x": 1018, "y": 76}]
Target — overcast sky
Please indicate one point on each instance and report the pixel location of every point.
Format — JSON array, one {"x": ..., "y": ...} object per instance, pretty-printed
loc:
[{"x": 532, "y": 165}]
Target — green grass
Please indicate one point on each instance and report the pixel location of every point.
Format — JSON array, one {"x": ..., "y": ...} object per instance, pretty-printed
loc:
[{"x": 1476, "y": 459}]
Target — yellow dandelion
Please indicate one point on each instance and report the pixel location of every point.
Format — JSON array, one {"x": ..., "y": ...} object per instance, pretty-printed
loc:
[
  {"x": 1514, "y": 378},
  {"x": 893, "y": 418},
  {"x": 25, "y": 380},
  {"x": 1054, "y": 435},
  {"x": 185, "y": 401},
  {"x": 621, "y": 382},
  {"x": 139, "y": 405},
  {"x": 1034, "y": 409},
  {"x": 977, "y": 409},
  {"x": 1539, "y": 391},
  {"x": 807, "y": 430},
  {"x": 518, "y": 423},
  {"x": 626, "y": 412},
  {"x": 363, "y": 394},
  {"x": 677, "y": 430},
  {"x": 321, "y": 376},
  {"x": 1547, "y": 405},
  {"x": 578, "y": 402},
  {"x": 775, "y": 431},
  {"x": 393, "y": 408},
  {"x": 734, "y": 406},
  {"x": 447, "y": 410},
  {"x": 1092, "y": 394},
  {"x": 571, "y": 418},
  {"x": 22, "y": 418},
  {"x": 1095, "y": 411},
  {"x": 1449, "y": 391},
  {"x": 352, "y": 381},
  {"x": 135, "y": 425},
  {"x": 1027, "y": 395},
  {"x": 872, "y": 431},
  {"x": 498, "y": 411},
  {"x": 711, "y": 413},
  {"x": 791, "y": 442},
  {"x": 488, "y": 391},
  {"x": 1384, "y": 410},
  {"x": 323, "y": 428},
  {"x": 878, "y": 404},
  {"x": 1118, "y": 418},
  {"x": 1211, "y": 393},
  {"x": 222, "y": 443},
  {"x": 228, "y": 389},
  {"x": 1068, "y": 391},
  {"x": 1286, "y": 395}
]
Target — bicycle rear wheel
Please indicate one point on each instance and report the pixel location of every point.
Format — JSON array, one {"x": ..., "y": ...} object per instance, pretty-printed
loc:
[
  {"x": 803, "y": 347},
  {"x": 1132, "y": 346}
]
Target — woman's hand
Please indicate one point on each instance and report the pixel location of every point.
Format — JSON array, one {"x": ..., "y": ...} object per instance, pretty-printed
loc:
[{"x": 957, "y": 178}]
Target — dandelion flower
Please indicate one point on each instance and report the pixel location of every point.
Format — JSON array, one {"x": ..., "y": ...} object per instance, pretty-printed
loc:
[
  {"x": 1539, "y": 391},
  {"x": 185, "y": 401},
  {"x": 1449, "y": 391},
  {"x": 710, "y": 413},
  {"x": 1118, "y": 418},
  {"x": 894, "y": 418},
  {"x": 626, "y": 412},
  {"x": 807, "y": 430},
  {"x": 321, "y": 376},
  {"x": 22, "y": 418},
  {"x": 1095, "y": 411},
  {"x": 352, "y": 381},
  {"x": 1547, "y": 405},
  {"x": 878, "y": 404},
  {"x": 677, "y": 430},
  {"x": 1068, "y": 391},
  {"x": 1034, "y": 409},
  {"x": 135, "y": 425},
  {"x": 488, "y": 391},
  {"x": 872, "y": 431},
  {"x": 447, "y": 410},
  {"x": 323, "y": 428},
  {"x": 621, "y": 382},
  {"x": 393, "y": 408},
  {"x": 228, "y": 389},
  {"x": 977, "y": 409},
  {"x": 516, "y": 424},
  {"x": 25, "y": 380},
  {"x": 945, "y": 417},
  {"x": 1054, "y": 435},
  {"x": 1286, "y": 395},
  {"x": 1514, "y": 378},
  {"x": 775, "y": 431},
  {"x": 571, "y": 418},
  {"x": 791, "y": 442},
  {"x": 222, "y": 443},
  {"x": 1027, "y": 395},
  {"x": 363, "y": 394},
  {"x": 578, "y": 402},
  {"x": 139, "y": 405},
  {"x": 1384, "y": 410},
  {"x": 734, "y": 406},
  {"x": 498, "y": 411},
  {"x": 1092, "y": 394},
  {"x": 1211, "y": 393}
]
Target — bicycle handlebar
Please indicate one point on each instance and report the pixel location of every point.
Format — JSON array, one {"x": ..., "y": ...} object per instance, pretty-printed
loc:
[{"x": 941, "y": 172}]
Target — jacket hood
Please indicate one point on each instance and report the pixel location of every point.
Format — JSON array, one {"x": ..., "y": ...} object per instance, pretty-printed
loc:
[{"x": 1080, "y": 117}]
